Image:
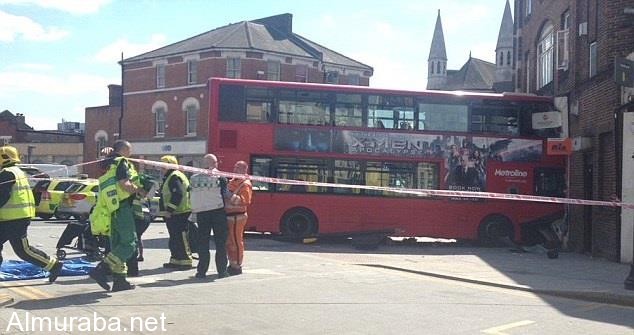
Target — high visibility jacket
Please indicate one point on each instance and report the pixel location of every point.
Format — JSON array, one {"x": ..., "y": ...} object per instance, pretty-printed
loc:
[
  {"x": 243, "y": 189},
  {"x": 21, "y": 204},
  {"x": 185, "y": 204},
  {"x": 110, "y": 195}
]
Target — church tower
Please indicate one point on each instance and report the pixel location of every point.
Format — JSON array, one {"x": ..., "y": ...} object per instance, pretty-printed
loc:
[
  {"x": 504, "y": 57},
  {"x": 437, "y": 61}
]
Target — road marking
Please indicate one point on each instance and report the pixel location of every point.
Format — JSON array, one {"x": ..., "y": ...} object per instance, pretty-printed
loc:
[
  {"x": 28, "y": 292},
  {"x": 499, "y": 329},
  {"x": 5, "y": 299}
]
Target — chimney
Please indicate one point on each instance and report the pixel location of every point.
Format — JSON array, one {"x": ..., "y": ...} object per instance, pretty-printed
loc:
[
  {"x": 282, "y": 23},
  {"x": 114, "y": 96}
]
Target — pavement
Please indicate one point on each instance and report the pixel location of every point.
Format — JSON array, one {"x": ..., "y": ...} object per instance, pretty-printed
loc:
[{"x": 572, "y": 275}]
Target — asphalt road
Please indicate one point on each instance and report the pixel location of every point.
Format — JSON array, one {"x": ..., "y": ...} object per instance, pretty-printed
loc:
[{"x": 290, "y": 288}]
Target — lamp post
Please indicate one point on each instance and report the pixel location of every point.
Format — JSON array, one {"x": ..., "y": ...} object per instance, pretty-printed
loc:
[{"x": 629, "y": 281}]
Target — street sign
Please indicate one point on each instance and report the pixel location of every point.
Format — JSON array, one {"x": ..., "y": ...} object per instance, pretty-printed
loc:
[{"x": 624, "y": 72}]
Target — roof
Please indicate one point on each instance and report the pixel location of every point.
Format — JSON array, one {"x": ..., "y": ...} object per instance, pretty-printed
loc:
[
  {"x": 475, "y": 75},
  {"x": 272, "y": 34}
]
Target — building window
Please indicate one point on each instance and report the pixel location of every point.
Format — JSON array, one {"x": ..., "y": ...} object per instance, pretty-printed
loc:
[
  {"x": 354, "y": 79},
  {"x": 545, "y": 57},
  {"x": 273, "y": 70},
  {"x": 101, "y": 137},
  {"x": 529, "y": 7},
  {"x": 191, "y": 107},
  {"x": 593, "y": 59},
  {"x": 233, "y": 68},
  {"x": 508, "y": 58},
  {"x": 431, "y": 67},
  {"x": 160, "y": 118},
  {"x": 332, "y": 77},
  {"x": 301, "y": 73},
  {"x": 501, "y": 58},
  {"x": 160, "y": 75},
  {"x": 192, "y": 71}
]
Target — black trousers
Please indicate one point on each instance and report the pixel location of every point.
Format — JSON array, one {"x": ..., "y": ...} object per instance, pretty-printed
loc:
[
  {"x": 208, "y": 220},
  {"x": 15, "y": 231},
  {"x": 178, "y": 243}
]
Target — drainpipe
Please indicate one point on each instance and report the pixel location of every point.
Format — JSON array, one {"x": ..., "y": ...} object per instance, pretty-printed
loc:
[{"x": 122, "y": 100}]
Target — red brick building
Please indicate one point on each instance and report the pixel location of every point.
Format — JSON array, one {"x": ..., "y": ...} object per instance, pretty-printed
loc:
[
  {"x": 567, "y": 49},
  {"x": 165, "y": 95}
]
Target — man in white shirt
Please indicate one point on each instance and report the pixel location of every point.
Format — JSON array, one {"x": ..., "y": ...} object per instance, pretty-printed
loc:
[{"x": 209, "y": 208}]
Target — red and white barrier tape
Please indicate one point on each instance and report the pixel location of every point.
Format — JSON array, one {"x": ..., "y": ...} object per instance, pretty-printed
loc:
[{"x": 422, "y": 192}]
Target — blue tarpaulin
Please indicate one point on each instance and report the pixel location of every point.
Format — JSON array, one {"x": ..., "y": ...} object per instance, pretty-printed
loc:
[{"x": 20, "y": 270}]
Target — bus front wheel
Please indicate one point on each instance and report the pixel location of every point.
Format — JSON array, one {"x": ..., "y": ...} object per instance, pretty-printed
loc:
[
  {"x": 495, "y": 231},
  {"x": 299, "y": 223}
]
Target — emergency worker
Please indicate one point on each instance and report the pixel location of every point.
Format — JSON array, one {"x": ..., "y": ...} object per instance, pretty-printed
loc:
[
  {"x": 208, "y": 206},
  {"x": 117, "y": 189},
  {"x": 176, "y": 204},
  {"x": 17, "y": 207},
  {"x": 236, "y": 203}
]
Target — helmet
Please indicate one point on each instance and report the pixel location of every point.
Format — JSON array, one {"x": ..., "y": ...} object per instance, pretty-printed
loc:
[
  {"x": 169, "y": 159},
  {"x": 9, "y": 154}
]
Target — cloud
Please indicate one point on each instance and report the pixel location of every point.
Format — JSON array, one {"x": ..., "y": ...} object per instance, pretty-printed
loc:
[
  {"x": 16, "y": 82},
  {"x": 112, "y": 52},
  {"x": 12, "y": 26},
  {"x": 77, "y": 7}
]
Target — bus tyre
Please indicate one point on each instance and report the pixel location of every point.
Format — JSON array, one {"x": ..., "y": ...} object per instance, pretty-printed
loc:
[
  {"x": 299, "y": 223},
  {"x": 495, "y": 231}
]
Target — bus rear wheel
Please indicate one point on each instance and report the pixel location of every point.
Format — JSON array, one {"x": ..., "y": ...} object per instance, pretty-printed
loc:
[
  {"x": 496, "y": 230},
  {"x": 298, "y": 223}
]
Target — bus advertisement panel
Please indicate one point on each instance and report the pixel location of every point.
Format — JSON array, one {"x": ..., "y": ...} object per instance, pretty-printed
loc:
[{"x": 393, "y": 139}]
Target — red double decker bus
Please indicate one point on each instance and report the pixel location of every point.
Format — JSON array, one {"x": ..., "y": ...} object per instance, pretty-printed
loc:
[{"x": 395, "y": 139}]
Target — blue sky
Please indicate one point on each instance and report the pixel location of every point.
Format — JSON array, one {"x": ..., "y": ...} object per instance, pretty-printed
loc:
[{"x": 58, "y": 56}]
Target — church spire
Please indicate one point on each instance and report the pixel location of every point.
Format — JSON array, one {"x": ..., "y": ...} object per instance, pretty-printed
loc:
[
  {"x": 437, "y": 61},
  {"x": 504, "y": 53}
]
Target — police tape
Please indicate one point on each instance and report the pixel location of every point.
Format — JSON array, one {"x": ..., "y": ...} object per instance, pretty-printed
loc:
[
  {"x": 52, "y": 171},
  {"x": 419, "y": 192}
]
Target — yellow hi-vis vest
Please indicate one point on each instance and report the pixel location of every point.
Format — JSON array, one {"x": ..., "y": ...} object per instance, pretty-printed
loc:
[
  {"x": 21, "y": 204},
  {"x": 186, "y": 202},
  {"x": 110, "y": 194}
]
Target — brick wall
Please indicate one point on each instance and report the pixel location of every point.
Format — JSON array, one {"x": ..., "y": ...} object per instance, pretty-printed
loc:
[{"x": 597, "y": 97}]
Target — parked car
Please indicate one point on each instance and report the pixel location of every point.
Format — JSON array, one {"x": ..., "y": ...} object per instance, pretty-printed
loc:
[
  {"x": 48, "y": 195},
  {"x": 34, "y": 174},
  {"x": 78, "y": 199}
]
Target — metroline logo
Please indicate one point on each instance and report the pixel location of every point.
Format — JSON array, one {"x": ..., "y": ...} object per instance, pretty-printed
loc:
[{"x": 511, "y": 173}]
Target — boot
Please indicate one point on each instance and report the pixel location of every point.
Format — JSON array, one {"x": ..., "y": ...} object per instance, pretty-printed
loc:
[
  {"x": 120, "y": 284},
  {"x": 234, "y": 271},
  {"x": 99, "y": 274},
  {"x": 55, "y": 271}
]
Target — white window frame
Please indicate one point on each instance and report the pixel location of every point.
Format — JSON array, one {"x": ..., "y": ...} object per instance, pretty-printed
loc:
[
  {"x": 545, "y": 57},
  {"x": 160, "y": 75},
  {"x": 159, "y": 109},
  {"x": 234, "y": 67},
  {"x": 592, "y": 59},
  {"x": 528, "y": 73},
  {"x": 529, "y": 7},
  {"x": 191, "y": 108},
  {"x": 192, "y": 71},
  {"x": 273, "y": 70}
]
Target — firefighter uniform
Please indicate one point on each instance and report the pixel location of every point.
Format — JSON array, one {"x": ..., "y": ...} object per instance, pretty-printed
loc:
[
  {"x": 17, "y": 207},
  {"x": 176, "y": 201}
]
